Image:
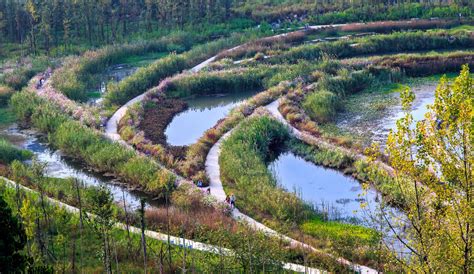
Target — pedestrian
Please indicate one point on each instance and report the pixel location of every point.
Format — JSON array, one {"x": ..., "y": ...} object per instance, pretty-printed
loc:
[
  {"x": 227, "y": 199},
  {"x": 209, "y": 191},
  {"x": 232, "y": 200}
]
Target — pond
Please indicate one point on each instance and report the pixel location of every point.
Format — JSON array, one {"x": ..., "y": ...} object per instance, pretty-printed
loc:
[
  {"x": 60, "y": 166},
  {"x": 203, "y": 113},
  {"x": 115, "y": 74},
  {"x": 371, "y": 116},
  {"x": 337, "y": 195},
  {"x": 118, "y": 72}
]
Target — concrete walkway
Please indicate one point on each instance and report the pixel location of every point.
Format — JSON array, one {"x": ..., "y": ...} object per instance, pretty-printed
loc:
[
  {"x": 182, "y": 242},
  {"x": 217, "y": 190},
  {"x": 111, "y": 127}
]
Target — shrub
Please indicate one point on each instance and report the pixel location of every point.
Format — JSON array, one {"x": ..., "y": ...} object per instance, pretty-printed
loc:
[
  {"x": 322, "y": 105},
  {"x": 5, "y": 94}
]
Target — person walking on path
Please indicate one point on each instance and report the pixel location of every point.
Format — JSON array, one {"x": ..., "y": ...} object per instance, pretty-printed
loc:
[
  {"x": 232, "y": 200},
  {"x": 227, "y": 199}
]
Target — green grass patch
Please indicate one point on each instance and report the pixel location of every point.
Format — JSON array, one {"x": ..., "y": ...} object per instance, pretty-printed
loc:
[
  {"x": 94, "y": 94},
  {"x": 144, "y": 59},
  {"x": 385, "y": 88},
  {"x": 6, "y": 116},
  {"x": 464, "y": 27},
  {"x": 338, "y": 231}
]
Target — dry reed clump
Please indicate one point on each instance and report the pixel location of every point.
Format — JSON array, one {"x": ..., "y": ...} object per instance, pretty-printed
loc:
[
  {"x": 390, "y": 26},
  {"x": 191, "y": 211}
]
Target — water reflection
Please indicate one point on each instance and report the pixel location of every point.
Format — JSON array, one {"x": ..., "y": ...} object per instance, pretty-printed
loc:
[
  {"x": 337, "y": 195},
  {"x": 112, "y": 74},
  {"x": 203, "y": 113},
  {"x": 60, "y": 166}
]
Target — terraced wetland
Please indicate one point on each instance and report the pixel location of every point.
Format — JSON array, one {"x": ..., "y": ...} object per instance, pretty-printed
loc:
[{"x": 258, "y": 147}]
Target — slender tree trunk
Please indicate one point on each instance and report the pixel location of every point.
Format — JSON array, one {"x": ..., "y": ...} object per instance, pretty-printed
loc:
[
  {"x": 168, "y": 229},
  {"x": 81, "y": 224},
  {"x": 142, "y": 215},
  {"x": 73, "y": 256},
  {"x": 129, "y": 240}
]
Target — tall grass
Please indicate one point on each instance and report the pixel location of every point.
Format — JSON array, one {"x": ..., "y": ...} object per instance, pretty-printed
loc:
[
  {"x": 153, "y": 74},
  {"x": 379, "y": 44},
  {"x": 215, "y": 82},
  {"x": 10, "y": 153},
  {"x": 89, "y": 145},
  {"x": 416, "y": 65},
  {"x": 243, "y": 162},
  {"x": 79, "y": 74},
  {"x": 322, "y": 105}
]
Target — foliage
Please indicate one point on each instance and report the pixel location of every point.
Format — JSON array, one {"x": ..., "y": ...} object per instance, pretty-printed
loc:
[
  {"x": 147, "y": 77},
  {"x": 433, "y": 168},
  {"x": 209, "y": 83},
  {"x": 76, "y": 246},
  {"x": 243, "y": 161},
  {"x": 345, "y": 11},
  {"x": 87, "y": 144},
  {"x": 12, "y": 242},
  {"x": 79, "y": 74},
  {"x": 5, "y": 94},
  {"x": 416, "y": 65}
]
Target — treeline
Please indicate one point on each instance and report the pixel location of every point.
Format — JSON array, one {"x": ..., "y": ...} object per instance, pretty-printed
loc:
[
  {"x": 325, "y": 11},
  {"x": 49, "y": 23},
  {"x": 46, "y": 24}
]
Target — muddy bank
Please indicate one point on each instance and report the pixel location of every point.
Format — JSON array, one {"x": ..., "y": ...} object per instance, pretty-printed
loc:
[{"x": 158, "y": 114}]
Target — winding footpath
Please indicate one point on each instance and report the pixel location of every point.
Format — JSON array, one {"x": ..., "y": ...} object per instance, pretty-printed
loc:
[
  {"x": 111, "y": 128},
  {"x": 213, "y": 169},
  {"x": 310, "y": 139},
  {"x": 217, "y": 190},
  {"x": 177, "y": 241}
]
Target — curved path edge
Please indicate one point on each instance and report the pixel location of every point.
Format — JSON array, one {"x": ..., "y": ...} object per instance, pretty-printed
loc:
[
  {"x": 217, "y": 190},
  {"x": 182, "y": 242},
  {"x": 111, "y": 129},
  {"x": 308, "y": 138}
]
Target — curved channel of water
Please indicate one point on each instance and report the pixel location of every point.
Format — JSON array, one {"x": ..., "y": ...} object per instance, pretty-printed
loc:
[
  {"x": 337, "y": 195},
  {"x": 60, "y": 166},
  {"x": 203, "y": 113},
  {"x": 112, "y": 74}
]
